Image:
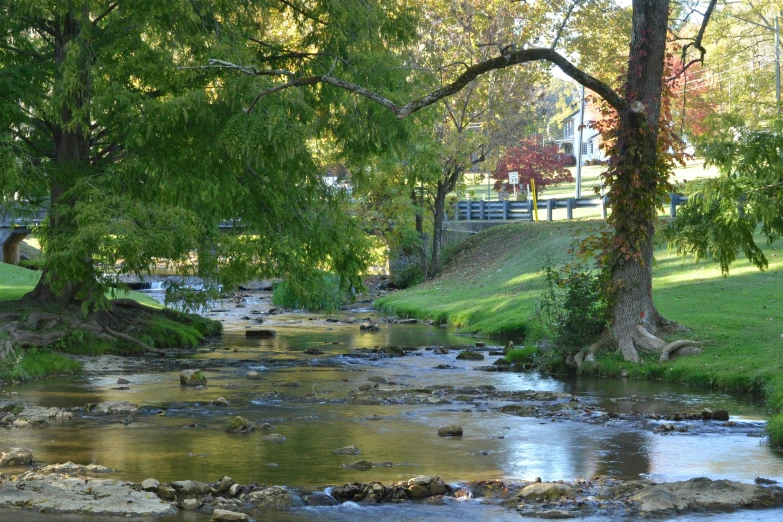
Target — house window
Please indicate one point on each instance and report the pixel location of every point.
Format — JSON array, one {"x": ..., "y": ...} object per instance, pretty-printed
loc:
[
  {"x": 569, "y": 129},
  {"x": 590, "y": 147},
  {"x": 584, "y": 149}
]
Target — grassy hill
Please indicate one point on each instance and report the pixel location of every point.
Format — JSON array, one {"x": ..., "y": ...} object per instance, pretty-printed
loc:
[{"x": 492, "y": 283}]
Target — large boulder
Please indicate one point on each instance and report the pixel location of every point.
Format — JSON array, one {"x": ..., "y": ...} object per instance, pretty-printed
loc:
[
  {"x": 273, "y": 497},
  {"x": 192, "y": 378},
  {"x": 16, "y": 457},
  {"x": 703, "y": 494},
  {"x": 58, "y": 493}
]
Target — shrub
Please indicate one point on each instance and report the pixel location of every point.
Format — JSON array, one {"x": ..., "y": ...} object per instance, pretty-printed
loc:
[
  {"x": 522, "y": 355},
  {"x": 573, "y": 305},
  {"x": 323, "y": 294},
  {"x": 405, "y": 271}
]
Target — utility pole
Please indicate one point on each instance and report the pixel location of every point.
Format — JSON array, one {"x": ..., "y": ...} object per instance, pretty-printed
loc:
[
  {"x": 578, "y": 191},
  {"x": 777, "y": 64}
]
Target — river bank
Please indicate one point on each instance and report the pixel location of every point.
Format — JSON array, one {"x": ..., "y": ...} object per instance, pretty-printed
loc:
[{"x": 492, "y": 286}]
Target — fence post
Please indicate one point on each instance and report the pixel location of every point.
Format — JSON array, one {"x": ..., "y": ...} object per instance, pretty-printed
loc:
[
  {"x": 550, "y": 207},
  {"x": 604, "y": 204},
  {"x": 673, "y": 204},
  {"x": 483, "y": 203},
  {"x": 570, "y": 209},
  {"x": 506, "y": 204}
]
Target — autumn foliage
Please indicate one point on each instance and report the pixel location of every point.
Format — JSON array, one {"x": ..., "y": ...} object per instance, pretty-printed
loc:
[{"x": 533, "y": 160}]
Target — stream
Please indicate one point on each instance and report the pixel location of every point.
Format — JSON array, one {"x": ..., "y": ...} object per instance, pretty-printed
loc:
[{"x": 179, "y": 434}]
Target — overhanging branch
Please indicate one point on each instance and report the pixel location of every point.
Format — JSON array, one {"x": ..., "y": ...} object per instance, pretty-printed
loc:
[{"x": 508, "y": 59}]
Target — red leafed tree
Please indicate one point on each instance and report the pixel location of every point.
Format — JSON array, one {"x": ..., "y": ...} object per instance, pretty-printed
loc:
[{"x": 533, "y": 160}]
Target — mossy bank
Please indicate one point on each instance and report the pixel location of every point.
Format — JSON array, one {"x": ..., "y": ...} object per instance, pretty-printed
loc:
[
  {"x": 36, "y": 340},
  {"x": 493, "y": 282}
]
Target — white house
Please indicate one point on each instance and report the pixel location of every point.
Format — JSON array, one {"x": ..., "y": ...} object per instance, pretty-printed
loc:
[{"x": 569, "y": 144}]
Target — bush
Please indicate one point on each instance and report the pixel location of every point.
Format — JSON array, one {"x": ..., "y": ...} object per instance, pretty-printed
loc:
[
  {"x": 522, "y": 355},
  {"x": 322, "y": 294},
  {"x": 570, "y": 160},
  {"x": 573, "y": 305},
  {"x": 405, "y": 271}
]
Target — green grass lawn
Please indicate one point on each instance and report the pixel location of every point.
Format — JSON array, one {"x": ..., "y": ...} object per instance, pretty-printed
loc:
[
  {"x": 493, "y": 285},
  {"x": 16, "y": 281}
]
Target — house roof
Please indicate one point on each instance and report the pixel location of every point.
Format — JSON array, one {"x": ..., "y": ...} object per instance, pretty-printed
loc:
[{"x": 570, "y": 116}]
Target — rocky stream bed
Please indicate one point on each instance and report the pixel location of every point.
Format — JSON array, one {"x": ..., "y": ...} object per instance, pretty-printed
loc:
[{"x": 328, "y": 416}]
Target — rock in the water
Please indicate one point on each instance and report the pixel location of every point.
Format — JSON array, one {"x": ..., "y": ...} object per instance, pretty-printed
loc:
[
  {"x": 546, "y": 491},
  {"x": 190, "y": 504},
  {"x": 469, "y": 355},
  {"x": 347, "y": 450},
  {"x": 703, "y": 494},
  {"x": 16, "y": 457},
  {"x": 72, "y": 469},
  {"x": 114, "y": 408},
  {"x": 222, "y": 515},
  {"x": 274, "y": 437},
  {"x": 319, "y": 499},
  {"x": 240, "y": 425},
  {"x": 362, "y": 465},
  {"x": 291, "y": 384},
  {"x": 313, "y": 351},
  {"x": 554, "y": 514},
  {"x": 191, "y": 488},
  {"x": 260, "y": 334},
  {"x": 508, "y": 348},
  {"x": 266, "y": 426},
  {"x": 150, "y": 485},
  {"x": 273, "y": 497},
  {"x": 254, "y": 376},
  {"x": 167, "y": 493},
  {"x": 720, "y": 415},
  {"x": 58, "y": 493},
  {"x": 440, "y": 350},
  {"x": 393, "y": 351},
  {"x": 220, "y": 401},
  {"x": 224, "y": 484},
  {"x": 235, "y": 490},
  {"x": 450, "y": 431},
  {"x": 123, "y": 381},
  {"x": 192, "y": 378}
]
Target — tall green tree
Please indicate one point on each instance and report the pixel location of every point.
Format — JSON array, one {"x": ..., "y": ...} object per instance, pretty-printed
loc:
[
  {"x": 138, "y": 153},
  {"x": 637, "y": 176}
]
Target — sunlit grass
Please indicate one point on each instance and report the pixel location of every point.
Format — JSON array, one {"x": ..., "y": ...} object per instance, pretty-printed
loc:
[{"x": 494, "y": 286}]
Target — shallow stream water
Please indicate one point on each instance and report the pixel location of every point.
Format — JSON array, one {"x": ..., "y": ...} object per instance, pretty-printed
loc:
[{"x": 188, "y": 442}]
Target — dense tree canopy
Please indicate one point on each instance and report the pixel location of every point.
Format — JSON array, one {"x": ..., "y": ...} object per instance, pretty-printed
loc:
[{"x": 110, "y": 122}]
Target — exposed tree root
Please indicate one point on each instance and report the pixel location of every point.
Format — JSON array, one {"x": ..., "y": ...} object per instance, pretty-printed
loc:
[
  {"x": 588, "y": 354},
  {"x": 641, "y": 339}
]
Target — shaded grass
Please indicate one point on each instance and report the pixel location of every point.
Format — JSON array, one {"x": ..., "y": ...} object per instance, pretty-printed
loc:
[
  {"x": 494, "y": 284},
  {"x": 35, "y": 363},
  {"x": 16, "y": 281}
]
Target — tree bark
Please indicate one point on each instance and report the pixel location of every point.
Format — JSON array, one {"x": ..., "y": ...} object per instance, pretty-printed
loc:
[
  {"x": 446, "y": 185},
  {"x": 638, "y": 144},
  {"x": 71, "y": 155},
  {"x": 418, "y": 204}
]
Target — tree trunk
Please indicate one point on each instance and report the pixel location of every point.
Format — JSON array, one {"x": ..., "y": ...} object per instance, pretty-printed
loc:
[
  {"x": 446, "y": 185},
  {"x": 71, "y": 154},
  {"x": 418, "y": 205},
  {"x": 638, "y": 151}
]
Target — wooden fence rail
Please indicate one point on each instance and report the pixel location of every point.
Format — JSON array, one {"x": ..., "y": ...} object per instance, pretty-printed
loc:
[{"x": 523, "y": 210}]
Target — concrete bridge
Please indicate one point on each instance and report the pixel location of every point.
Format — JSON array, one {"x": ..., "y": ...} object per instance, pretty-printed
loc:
[{"x": 12, "y": 232}]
